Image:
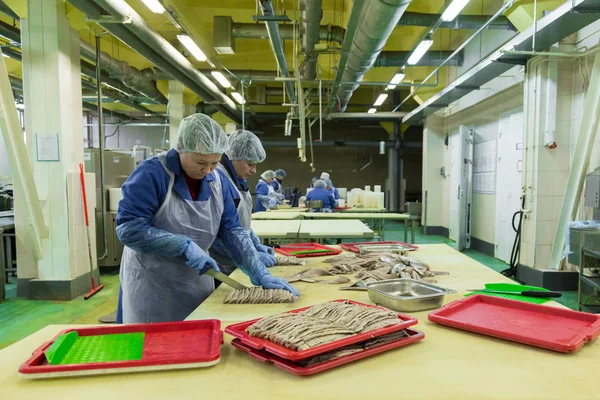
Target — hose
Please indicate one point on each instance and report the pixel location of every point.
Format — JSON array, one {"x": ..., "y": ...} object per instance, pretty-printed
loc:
[{"x": 511, "y": 271}]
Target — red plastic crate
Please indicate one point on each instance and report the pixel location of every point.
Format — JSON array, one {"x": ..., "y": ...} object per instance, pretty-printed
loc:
[
  {"x": 297, "y": 369},
  {"x": 537, "y": 325},
  {"x": 353, "y": 247},
  {"x": 286, "y": 250},
  {"x": 167, "y": 345},
  {"x": 239, "y": 331}
]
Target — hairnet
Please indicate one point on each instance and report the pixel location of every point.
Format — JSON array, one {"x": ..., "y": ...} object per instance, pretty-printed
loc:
[
  {"x": 199, "y": 133},
  {"x": 314, "y": 179},
  {"x": 319, "y": 183},
  {"x": 324, "y": 175},
  {"x": 268, "y": 174},
  {"x": 328, "y": 182},
  {"x": 244, "y": 145},
  {"x": 280, "y": 173}
]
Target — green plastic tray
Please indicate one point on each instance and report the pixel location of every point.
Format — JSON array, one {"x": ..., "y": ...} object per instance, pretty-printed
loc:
[
  {"x": 70, "y": 348},
  {"x": 513, "y": 287}
]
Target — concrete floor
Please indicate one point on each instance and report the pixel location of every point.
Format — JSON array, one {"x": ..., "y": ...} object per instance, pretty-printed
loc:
[{"x": 20, "y": 318}]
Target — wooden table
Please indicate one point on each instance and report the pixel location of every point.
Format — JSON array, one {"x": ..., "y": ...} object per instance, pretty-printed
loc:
[
  {"x": 264, "y": 215},
  {"x": 447, "y": 364},
  {"x": 284, "y": 229},
  {"x": 339, "y": 229}
]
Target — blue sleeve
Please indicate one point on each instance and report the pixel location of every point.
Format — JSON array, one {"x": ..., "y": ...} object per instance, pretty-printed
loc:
[
  {"x": 332, "y": 201},
  {"x": 229, "y": 219},
  {"x": 143, "y": 192},
  {"x": 262, "y": 188}
]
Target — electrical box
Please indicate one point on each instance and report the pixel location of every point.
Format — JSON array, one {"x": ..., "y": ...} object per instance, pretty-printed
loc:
[{"x": 592, "y": 189}]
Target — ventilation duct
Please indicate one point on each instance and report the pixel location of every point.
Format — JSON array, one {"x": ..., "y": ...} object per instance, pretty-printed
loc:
[
  {"x": 431, "y": 59},
  {"x": 471, "y": 22},
  {"x": 311, "y": 20}
]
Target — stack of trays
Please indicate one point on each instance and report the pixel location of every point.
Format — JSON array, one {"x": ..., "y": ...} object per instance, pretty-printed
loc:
[{"x": 319, "y": 358}]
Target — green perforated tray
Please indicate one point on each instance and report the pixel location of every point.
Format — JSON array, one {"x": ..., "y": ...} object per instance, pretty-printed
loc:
[
  {"x": 513, "y": 287},
  {"x": 71, "y": 348}
]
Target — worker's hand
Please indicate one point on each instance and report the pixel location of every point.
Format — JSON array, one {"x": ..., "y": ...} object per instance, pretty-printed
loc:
[
  {"x": 280, "y": 196},
  {"x": 266, "y": 259},
  {"x": 272, "y": 282},
  {"x": 265, "y": 249},
  {"x": 199, "y": 260}
]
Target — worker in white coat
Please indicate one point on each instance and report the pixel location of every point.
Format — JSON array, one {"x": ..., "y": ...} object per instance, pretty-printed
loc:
[
  {"x": 174, "y": 206},
  {"x": 238, "y": 164}
]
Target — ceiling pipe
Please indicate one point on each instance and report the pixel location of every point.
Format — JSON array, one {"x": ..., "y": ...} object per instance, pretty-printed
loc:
[
  {"x": 243, "y": 30},
  {"x": 141, "y": 38},
  {"x": 113, "y": 94},
  {"x": 275, "y": 39},
  {"x": 340, "y": 143},
  {"x": 380, "y": 116},
  {"x": 376, "y": 23},
  {"x": 471, "y": 22},
  {"x": 312, "y": 14},
  {"x": 203, "y": 108},
  {"x": 10, "y": 33},
  {"x": 430, "y": 59}
]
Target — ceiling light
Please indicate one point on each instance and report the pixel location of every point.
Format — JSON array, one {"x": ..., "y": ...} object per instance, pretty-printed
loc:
[
  {"x": 4, "y": 55},
  {"x": 419, "y": 52},
  {"x": 238, "y": 97},
  {"x": 154, "y": 6},
  {"x": 395, "y": 80},
  {"x": 372, "y": 111},
  {"x": 192, "y": 47},
  {"x": 221, "y": 79},
  {"x": 453, "y": 10},
  {"x": 20, "y": 106},
  {"x": 380, "y": 99}
]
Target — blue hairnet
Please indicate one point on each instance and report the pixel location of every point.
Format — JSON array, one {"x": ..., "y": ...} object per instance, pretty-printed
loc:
[
  {"x": 268, "y": 174},
  {"x": 199, "y": 133},
  {"x": 280, "y": 173},
  {"x": 327, "y": 182},
  {"x": 319, "y": 183},
  {"x": 314, "y": 179},
  {"x": 244, "y": 145}
]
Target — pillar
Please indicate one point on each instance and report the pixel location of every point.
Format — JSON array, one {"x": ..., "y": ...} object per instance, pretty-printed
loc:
[
  {"x": 177, "y": 110},
  {"x": 53, "y": 115}
]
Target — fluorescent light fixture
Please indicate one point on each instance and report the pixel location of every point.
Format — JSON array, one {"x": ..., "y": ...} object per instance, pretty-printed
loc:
[
  {"x": 154, "y": 6},
  {"x": 419, "y": 52},
  {"x": 221, "y": 79},
  {"x": 454, "y": 9},
  {"x": 20, "y": 106},
  {"x": 372, "y": 111},
  {"x": 395, "y": 80},
  {"x": 4, "y": 55},
  {"x": 238, "y": 97},
  {"x": 380, "y": 99},
  {"x": 192, "y": 47}
]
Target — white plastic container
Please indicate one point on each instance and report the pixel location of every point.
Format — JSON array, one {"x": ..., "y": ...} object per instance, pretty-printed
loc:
[
  {"x": 341, "y": 203},
  {"x": 377, "y": 188},
  {"x": 368, "y": 187},
  {"x": 343, "y": 192},
  {"x": 114, "y": 196}
]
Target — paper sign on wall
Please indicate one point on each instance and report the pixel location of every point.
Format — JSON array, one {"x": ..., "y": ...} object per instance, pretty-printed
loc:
[
  {"x": 484, "y": 167},
  {"x": 47, "y": 147}
]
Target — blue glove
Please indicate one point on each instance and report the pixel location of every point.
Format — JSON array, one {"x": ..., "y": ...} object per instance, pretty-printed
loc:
[
  {"x": 199, "y": 260},
  {"x": 265, "y": 249},
  {"x": 280, "y": 196},
  {"x": 266, "y": 259},
  {"x": 272, "y": 282}
]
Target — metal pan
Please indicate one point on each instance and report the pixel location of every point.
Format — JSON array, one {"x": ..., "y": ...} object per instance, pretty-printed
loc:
[{"x": 407, "y": 295}]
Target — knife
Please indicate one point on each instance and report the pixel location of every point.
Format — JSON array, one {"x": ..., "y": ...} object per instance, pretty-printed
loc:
[
  {"x": 528, "y": 293},
  {"x": 225, "y": 279}
]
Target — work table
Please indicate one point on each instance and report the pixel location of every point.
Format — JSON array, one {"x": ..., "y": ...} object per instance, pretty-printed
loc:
[{"x": 447, "y": 364}]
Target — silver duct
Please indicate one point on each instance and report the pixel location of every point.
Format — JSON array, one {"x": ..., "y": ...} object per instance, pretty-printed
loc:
[
  {"x": 275, "y": 38},
  {"x": 376, "y": 22},
  {"x": 471, "y": 22},
  {"x": 431, "y": 59},
  {"x": 309, "y": 33},
  {"x": 242, "y": 30}
]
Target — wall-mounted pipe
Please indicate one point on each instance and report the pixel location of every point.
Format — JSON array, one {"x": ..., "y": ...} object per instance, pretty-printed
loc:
[
  {"x": 311, "y": 20},
  {"x": 376, "y": 23},
  {"x": 277, "y": 47},
  {"x": 460, "y": 22},
  {"x": 431, "y": 59}
]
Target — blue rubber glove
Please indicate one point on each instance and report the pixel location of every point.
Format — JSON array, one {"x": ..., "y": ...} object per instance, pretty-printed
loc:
[
  {"x": 272, "y": 282},
  {"x": 265, "y": 249},
  {"x": 199, "y": 260},
  {"x": 266, "y": 259}
]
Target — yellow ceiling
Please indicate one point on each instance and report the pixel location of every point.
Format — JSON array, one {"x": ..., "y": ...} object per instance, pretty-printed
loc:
[{"x": 197, "y": 16}]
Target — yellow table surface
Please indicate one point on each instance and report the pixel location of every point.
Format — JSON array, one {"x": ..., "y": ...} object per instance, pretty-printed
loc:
[
  {"x": 347, "y": 228},
  {"x": 293, "y": 209},
  {"x": 356, "y": 215},
  {"x": 276, "y": 216},
  {"x": 447, "y": 364},
  {"x": 362, "y": 210},
  {"x": 274, "y": 229}
]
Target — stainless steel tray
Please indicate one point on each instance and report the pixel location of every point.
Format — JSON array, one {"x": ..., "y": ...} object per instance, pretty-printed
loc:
[
  {"x": 406, "y": 294},
  {"x": 387, "y": 248}
]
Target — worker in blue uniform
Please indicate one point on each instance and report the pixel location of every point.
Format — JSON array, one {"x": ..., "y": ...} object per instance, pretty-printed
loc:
[
  {"x": 329, "y": 186},
  {"x": 266, "y": 198},
  {"x": 238, "y": 164},
  {"x": 174, "y": 206},
  {"x": 277, "y": 183},
  {"x": 325, "y": 196}
]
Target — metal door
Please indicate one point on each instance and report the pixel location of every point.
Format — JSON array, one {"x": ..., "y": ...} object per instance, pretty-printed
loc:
[{"x": 465, "y": 188}]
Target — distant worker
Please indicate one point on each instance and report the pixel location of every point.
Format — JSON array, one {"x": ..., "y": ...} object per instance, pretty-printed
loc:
[
  {"x": 324, "y": 175},
  {"x": 325, "y": 196},
  {"x": 238, "y": 164},
  {"x": 266, "y": 198},
  {"x": 332, "y": 189},
  {"x": 277, "y": 182},
  {"x": 312, "y": 183}
]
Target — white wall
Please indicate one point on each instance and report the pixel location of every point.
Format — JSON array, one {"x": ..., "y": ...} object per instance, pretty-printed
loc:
[{"x": 125, "y": 137}]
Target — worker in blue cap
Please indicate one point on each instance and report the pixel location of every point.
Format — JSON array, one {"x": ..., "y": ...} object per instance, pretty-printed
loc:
[
  {"x": 320, "y": 193},
  {"x": 174, "y": 206}
]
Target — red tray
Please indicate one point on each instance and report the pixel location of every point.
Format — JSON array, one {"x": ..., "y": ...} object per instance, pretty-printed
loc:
[
  {"x": 296, "y": 369},
  {"x": 537, "y": 325},
  {"x": 353, "y": 246},
  {"x": 343, "y": 208},
  {"x": 167, "y": 345},
  {"x": 239, "y": 331},
  {"x": 285, "y": 249}
]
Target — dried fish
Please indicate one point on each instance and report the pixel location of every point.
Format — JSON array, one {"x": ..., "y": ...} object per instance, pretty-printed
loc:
[
  {"x": 308, "y": 273},
  {"x": 258, "y": 295},
  {"x": 286, "y": 261}
]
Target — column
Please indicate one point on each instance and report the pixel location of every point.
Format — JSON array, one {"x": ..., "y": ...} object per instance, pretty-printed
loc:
[
  {"x": 177, "y": 109},
  {"x": 52, "y": 92}
]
